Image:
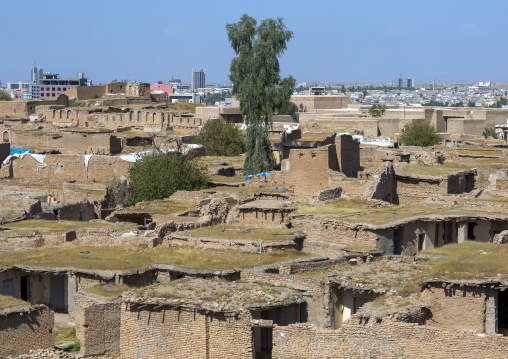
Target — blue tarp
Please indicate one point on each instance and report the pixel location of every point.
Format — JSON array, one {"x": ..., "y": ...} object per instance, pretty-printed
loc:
[
  {"x": 20, "y": 150},
  {"x": 259, "y": 174}
]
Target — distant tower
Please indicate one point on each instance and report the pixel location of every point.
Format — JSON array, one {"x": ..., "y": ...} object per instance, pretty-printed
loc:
[
  {"x": 36, "y": 75},
  {"x": 197, "y": 79},
  {"x": 433, "y": 83}
]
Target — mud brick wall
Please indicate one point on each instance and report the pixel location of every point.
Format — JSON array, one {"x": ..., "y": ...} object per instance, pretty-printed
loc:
[
  {"x": 308, "y": 169},
  {"x": 348, "y": 154},
  {"x": 462, "y": 308},
  {"x": 321, "y": 229},
  {"x": 97, "y": 322},
  {"x": 71, "y": 167},
  {"x": 391, "y": 340},
  {"x": 412, "y": 190},
  {"x": 21, "y": 332},
  {"x": 69, "y": 143},
  {"x": 316, "y": 293},
  {"x": 263, "y": 218},
  {"x": 164, "y": 332}
]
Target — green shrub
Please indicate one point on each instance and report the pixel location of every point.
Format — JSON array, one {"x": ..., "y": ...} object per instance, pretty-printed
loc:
[
  {"x": 221, "y": 138},
  {"x": 158, "y": 175},
  {"x": 489, "y": 131},
  {"x": 419, "y": 134},
  {"x": 377, "y": 110},
  {"x": 4, "y": 96}
]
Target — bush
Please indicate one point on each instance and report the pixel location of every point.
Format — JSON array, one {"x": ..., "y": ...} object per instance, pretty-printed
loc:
[
  {"x": 489, "y": 131},
  {"x": 5, "y": 96},
  {"x": 377, "y": 110},
  {"x": 158, "y": 175},
  {"x": 221, "y": 138},
  {"x": 419, "y": 134}
]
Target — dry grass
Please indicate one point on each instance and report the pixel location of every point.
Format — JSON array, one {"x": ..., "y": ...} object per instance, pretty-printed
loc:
[
  {"x": 480, "y": 152},
  {"x": 41, "y": 226},
  {"x": 242, "y": 233},
  {"x": 8, "y": 302},
  {"x": 126, "y": 257},
  {"x": 249, "y": 191},
  {"x": 436, "y": 170},
  {"x": 163, "y": 206},
  {"x": 185, "y": 106},
  {"x": 470, "y": 260},
  {"x": 235, "y": 161},
  {"x": 109, "y": 290},
  {"x": 225, "y": 179},
  {"x": 364, "y": 212}
]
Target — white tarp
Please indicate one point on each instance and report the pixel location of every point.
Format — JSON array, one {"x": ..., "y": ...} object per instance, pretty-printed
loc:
[
  {"x": 290, "y": 128},
  {"x": 87, "y": 159},
  {"x": 38, "y": 158},
  {"x": 133, "y": 157},
  {"x": 382, "y": 142},
  {"x": 17, "y": 155}
]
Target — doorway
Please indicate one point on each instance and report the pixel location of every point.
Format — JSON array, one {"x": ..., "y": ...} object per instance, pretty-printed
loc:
[
  {"x": 26, "y": 293},
  {"x": 58, "y": 293}
]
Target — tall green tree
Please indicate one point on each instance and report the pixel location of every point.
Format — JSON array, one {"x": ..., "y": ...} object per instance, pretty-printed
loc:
[{"x": 255, "y": 74}]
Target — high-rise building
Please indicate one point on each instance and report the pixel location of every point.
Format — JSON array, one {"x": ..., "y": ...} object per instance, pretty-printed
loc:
[
  {"x": 402, "y": 82},
  {"x": 36, "y": 75},
  {"x": 197, "y": 79}
]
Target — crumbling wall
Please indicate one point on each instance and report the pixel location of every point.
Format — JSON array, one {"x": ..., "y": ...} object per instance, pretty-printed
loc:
[
  {"x": 390, "y": 340},
  {"x": 23, "y": 331},
  {"x": 70, "y": 167},
  {"x": 317, "y": 295},
  {"x": 322, "y": 229},
  {"x": 348, "y": 154},
  {"x": 162, "y": 331},
  {"x": 69, "y": 143},
  {"x": 454, "y": 307},
  {"x": 382, "y": 184}
]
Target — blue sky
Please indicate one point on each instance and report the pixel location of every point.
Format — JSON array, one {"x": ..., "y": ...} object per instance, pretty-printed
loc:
[{"x": 334, "y": 41}]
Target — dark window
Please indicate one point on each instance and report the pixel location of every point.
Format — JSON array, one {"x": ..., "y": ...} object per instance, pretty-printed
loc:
[
  {"x": 421, "y": 239},
  {"x": 470, "y": 231},
  {"x": 52, "y": 95},
  {"x": 52, "y": 89},
  {"x": 502, "y": 312},
  {"x": 59, "y": 89}
]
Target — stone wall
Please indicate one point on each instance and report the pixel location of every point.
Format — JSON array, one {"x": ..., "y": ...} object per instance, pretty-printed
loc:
[
  {"x": 163, "y": 331},
  {"x": 22, "y": 331},
  {"x": 391, "y": 340}
]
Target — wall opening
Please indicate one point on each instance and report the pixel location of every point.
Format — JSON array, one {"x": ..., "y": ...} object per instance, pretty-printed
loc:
[{"x": 502, "y": 312}]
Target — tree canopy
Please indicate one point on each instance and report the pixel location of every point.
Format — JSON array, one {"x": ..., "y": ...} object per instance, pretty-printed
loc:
[
  {"x": 257, "y": 83},
  {"x": 419, "y": 134},
  {"x": 158, "y": 175},
  {"x": 221, "y": 138}
]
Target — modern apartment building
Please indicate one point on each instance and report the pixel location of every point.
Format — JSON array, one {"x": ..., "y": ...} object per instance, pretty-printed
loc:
[
  {"x": 403, "y": 82},
  {"x": 51, "y": 86},
  {"x": 197, "y": 79}
]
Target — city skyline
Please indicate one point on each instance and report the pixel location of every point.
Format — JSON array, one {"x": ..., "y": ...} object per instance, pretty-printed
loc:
[{"x": 334, "y": 42}]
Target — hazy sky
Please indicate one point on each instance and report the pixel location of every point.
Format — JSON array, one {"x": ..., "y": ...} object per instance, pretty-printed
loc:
[{"x": 334, "y": 41}]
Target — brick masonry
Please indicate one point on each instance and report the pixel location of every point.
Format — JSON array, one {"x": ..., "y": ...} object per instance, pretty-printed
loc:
[
  {"x": 22, "y": 331},
  {"x": 166, "y": 332}
]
